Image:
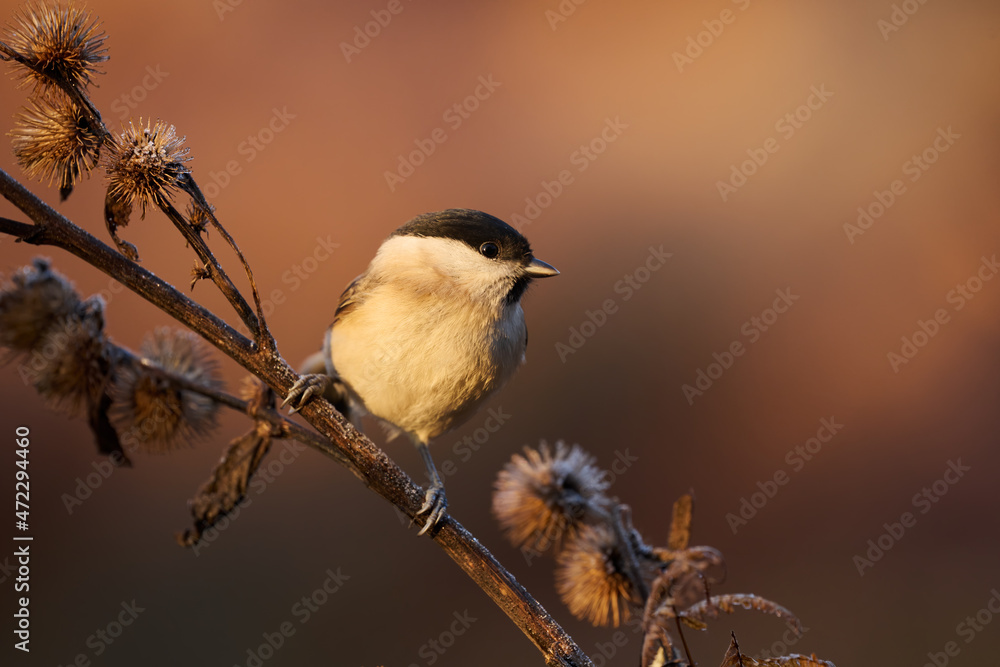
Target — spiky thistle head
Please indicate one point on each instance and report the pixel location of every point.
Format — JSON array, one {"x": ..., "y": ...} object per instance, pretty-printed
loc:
[
  {"x": 544, "y": 495},
  {"x": 55, "y": 142},
  {"x": 69, "y": 366},
  {"x": 146, "y": 164},
  {"x": 57, "y": 43},
  {"x": 150, "y": 410},
  {"x": 32, "y": 301},
  {"x": 591, "y": 579}
]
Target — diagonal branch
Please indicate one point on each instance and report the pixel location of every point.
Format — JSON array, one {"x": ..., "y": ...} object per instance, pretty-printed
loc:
[
  {"x": 378, "y": 472},
  {"x": 211, "y": 264},
  {"x": 263, "y": 336}
]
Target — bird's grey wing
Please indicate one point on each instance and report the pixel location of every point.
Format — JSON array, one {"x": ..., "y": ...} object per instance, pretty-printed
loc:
[{"x": 350, "y": 299}]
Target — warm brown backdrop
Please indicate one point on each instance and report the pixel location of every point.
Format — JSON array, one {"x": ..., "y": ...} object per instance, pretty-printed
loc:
[{"x": 322, "y": 176}]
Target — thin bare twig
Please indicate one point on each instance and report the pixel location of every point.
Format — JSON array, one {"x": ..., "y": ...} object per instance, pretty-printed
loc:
[
  {"x": 211, "y": 264},
  {"x": 263, "y": 337}
]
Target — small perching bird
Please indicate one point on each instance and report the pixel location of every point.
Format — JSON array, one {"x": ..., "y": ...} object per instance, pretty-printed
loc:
[{"x": 430, "y": 331}]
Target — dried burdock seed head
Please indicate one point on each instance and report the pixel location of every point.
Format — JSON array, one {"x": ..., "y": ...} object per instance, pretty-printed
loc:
[
  {"x": 199, "y": 217},
  {"x": 250, "y": 388},
  {"x": 542, "y": 496},
  {"x": 55, "y": 142},
  {"x": 57, "y": 43},
  {"x": 591, "y": 578},
  {"x": 69, "y": 366},
  {"x": 151, "y": 410},
  {"x": 145, "y": 165},
  {"x": 34, "y": 299}
]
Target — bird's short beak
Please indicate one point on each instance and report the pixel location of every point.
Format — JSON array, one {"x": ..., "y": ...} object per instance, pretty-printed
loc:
[{"x": 536, "y": 268}]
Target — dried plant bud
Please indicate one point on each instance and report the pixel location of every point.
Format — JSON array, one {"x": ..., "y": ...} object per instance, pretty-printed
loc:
[
  {"x": 35, "y": 298},
  {"x": 199, "y": 217},
  {"x": 591, "y": 578},
  {"x": 146, "y": 165},
  {"x": 251, "y": 388},
  {"x": 57, "y": 44},
  {"x": 54, "y": 142},
  {"x": 199, "y": 272},
  {"x": 69, "y": 366},
  {"x": 150, "y": 410},
  {"x": 117, "y": 212},
  {"x": 543, "y": 496}
]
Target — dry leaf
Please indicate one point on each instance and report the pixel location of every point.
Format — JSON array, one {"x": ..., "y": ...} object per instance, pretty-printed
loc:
[
  {"x": 710, "y": 608},
  {"x": 228, "y": 484},
  {"x": 117, "y": 211},
  {"x": 105, "y": 434},
  {"x": 736, "y": 659}
]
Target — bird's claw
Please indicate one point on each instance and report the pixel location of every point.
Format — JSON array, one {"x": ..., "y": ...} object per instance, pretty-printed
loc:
[
  {"x": 436, "y": 503},
  {"x": 304, "y": 389}
]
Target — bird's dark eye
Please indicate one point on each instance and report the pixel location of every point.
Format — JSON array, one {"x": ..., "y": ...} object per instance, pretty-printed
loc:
[{"x": 489, "y": 250}]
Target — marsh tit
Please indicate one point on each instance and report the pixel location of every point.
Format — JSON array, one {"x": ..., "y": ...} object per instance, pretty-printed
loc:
[{"x": 429, "y": 332}]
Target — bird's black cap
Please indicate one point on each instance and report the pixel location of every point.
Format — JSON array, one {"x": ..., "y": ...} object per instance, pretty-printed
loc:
[{"x": 472, "y": 227}]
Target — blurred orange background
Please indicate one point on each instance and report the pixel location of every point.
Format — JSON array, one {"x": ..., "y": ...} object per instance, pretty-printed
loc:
[{"x": 292, "y": 139}]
